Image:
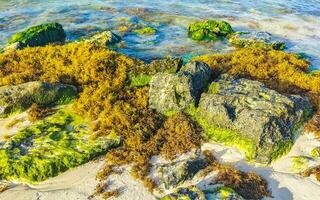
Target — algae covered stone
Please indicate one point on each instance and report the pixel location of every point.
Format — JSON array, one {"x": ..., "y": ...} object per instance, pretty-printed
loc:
[
  {"x": 188, "y": 193},
  {"x": 258, "y": 39},
  {"x": 39, "y": 36},
  {"x": 248, "y": 111},
  {"x": 222, "y": 193},
  {"x": 104, "y": 38},
  {"x": 174, "y": 92},
  {"x": 209, "y": 30},
  {"x": 146, "y": 31},
  {"x": 21, "y": 97},
  {"x": 172, "y": 174},
  {"x": 50, "y": 147}
]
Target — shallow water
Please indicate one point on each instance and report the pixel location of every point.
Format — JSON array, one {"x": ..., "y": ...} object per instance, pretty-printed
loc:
[{"x": 295, "y": 21}]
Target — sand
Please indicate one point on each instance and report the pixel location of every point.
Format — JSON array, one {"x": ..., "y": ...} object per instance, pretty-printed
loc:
[{"x": 79, "y": 183}]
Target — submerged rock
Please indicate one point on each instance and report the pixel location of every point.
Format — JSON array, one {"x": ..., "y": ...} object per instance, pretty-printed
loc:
[
  {"x": 38, "y": 36},
  {"x": 21, "y": 97},
  {"x": 257, "y": 114},
  {"x": 104, "y": 38},
  {"x": 172, "y": 174},
  {"x": 174, "y": 92},
  {"x": 209, "y": 30},
  {"x": 259, "y": 39}
]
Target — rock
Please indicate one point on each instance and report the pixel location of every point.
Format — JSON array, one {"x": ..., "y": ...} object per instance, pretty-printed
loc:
[
  {"x": 146, "y": 31},
  {"x": 174, "y": 92},
  {"x": 166, "y": 65},
  {"x": 104, "y": 38},
  {"x": 223, "y": 193},
  {"x": 194, "y": 193},
  {"x": 209, "y": 30},
  {"x": 258, "y": 114},
  {"x": 172, "y": 174},
  {"x": 189, "y": 193},
  {"x": 142, "y": 74},
  {"x": 259, "y": 39},
  {"x": 21, "y": 97},
  {"x": 38, "y": 36}
]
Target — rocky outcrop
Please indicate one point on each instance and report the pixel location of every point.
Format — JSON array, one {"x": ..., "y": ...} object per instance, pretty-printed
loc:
[
  {"x": 104, "y": 38},
  {"x": 172, "y": 174},
  {"x": 21, "y": 97},
  {"x": 37, "y": 36},
  {"x": 261, "y": 115},
  {"x": 258, "y": 39},
  {"x": 209, "y": 30},
  {"x": 174, "y": 92}
]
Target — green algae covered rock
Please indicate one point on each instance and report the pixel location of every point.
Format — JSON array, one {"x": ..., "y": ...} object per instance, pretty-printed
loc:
[
  {"x": 146, "y": 31},
  {"x": 39, "y": 35},
  {"x": 189, "y": 193},
  {"x": 104, "y": 38},
  {"x": 222, "y": 193},
  {"x": 175, "y": 92},
  {"x": 172, "y": 174},
  {"x": 257, "y": 119},
  {"x": 20, "y": 97},
  {"x": 258, "y": 39},
  {"x": 50, "y": 147},
  {"x": 209, "y": 30},
  {"x": 142, "y": 74}
]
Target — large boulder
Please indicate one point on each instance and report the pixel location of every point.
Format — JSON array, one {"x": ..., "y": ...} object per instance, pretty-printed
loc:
[
  {"x": 209, "y": 30},
  {"x": 21, "y": 97},
  {"x": 258, "y": 114},
  {"x": 104, "y": 38},
  {"x": 260, "y": 39},
  {"x": 174, "y": 92},
  {"x": 37, "y": 36}
]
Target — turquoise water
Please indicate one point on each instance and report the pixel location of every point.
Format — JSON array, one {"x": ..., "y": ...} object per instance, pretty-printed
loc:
[{"x": 295, "y": 21}]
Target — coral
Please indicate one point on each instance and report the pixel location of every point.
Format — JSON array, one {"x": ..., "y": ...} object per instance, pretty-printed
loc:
[
  {"x": 39, "y": 35},
  {"x": 209, "y": 30}
]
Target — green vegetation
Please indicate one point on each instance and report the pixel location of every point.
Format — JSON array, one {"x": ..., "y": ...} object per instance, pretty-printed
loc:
[
  {"x": 39, "y": 35},
  {"x": 280, "y": 149},
  {"x": 140, "y": 80},
  {"x": 299, "y": 163},
  {"x": 315, "y": 153},
  {"x": 49, "y": 147},
  {"x": 146, "y": 31},
  {"x": 209, "y": 30},
  {"x": 222, "y": 135}
]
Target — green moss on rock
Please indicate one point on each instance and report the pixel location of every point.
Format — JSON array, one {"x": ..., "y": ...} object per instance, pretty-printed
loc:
[
  {"x": 50, "y": 147},
  {"x": 146, "y": 31},
  {"x": 256, "y": 40},
  {"x": 209, "y": 30},
  {"x": 39, "y": 35},
  {"x": 20, "y": 97}
]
